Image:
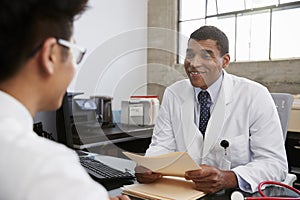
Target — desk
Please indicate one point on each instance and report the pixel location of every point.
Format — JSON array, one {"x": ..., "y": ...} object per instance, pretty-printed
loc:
[
  {"x": 226, "y": 194},
  {"x": 112, "y": 141},
  {"x": 122, "y": 164},
  {"x": 270, "y": 191}
]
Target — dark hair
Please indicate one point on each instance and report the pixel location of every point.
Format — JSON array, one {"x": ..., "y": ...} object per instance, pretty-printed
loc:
[
  {"x": 213, "y": 33},
  {"x": 25, "y": 24}
]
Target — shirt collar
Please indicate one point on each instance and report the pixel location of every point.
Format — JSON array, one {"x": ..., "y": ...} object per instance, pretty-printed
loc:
[
  {"x": 12, "y": 108},
  {"x": 213, "y": 90}
]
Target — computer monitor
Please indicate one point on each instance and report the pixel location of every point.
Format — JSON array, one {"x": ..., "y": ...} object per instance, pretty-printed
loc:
[
  {"x": 65, "y": 121},
  {"x": 76, "y": 121}
]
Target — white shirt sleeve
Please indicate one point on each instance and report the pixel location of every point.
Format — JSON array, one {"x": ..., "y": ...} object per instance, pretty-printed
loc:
[{"x": 243, "y": 185}]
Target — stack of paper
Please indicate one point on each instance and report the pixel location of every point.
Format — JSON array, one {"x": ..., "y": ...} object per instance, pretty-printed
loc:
[
  {"x": 172, "y": 185},
  {"x": 167, "y": 188}
]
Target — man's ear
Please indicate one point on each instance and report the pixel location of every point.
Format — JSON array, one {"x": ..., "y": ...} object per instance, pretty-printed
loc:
[
  {"x": 49, "y": 55},
  {"x": 226, "y": 60}
]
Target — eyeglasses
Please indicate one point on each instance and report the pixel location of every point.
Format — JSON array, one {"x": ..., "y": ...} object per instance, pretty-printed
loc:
[{"x": 78, "y": 52}]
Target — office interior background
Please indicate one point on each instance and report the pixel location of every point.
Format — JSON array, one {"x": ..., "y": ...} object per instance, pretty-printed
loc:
[{"x": 136, "y": 47}]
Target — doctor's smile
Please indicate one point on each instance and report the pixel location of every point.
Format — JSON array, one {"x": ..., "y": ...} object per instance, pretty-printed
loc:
[{"x": 197, "y": 74}]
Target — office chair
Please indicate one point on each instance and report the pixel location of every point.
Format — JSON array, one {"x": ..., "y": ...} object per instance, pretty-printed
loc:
[{"x": 284, "y": 103}]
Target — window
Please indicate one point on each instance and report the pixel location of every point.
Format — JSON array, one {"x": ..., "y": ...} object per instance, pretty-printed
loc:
[
  {"x": 226, "y": 24},
  {"x": 252, "y": 42},
  {"x": 286, "y": 34},
  {"x": 211, "y": 7},
  {"x": 256, "y": 29},
  {"x": 187, "y": 28},
  {"x": 260, "y": 3},
  {"x": 192, "y": 9},
  {"x": 224, "y": 6}
]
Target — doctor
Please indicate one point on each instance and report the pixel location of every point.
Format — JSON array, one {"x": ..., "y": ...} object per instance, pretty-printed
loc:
[{"x": 241, "y": 113}]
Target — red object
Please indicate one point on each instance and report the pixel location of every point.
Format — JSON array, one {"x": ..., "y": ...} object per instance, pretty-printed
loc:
[{"x": 151, "y": 96}]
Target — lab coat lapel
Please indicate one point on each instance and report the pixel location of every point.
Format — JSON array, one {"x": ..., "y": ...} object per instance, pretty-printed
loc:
[
  {"x": 191, "y": 132},
  {"x": 219, "y": 114}
]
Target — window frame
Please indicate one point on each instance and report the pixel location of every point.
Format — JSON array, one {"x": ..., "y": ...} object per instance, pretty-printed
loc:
[{"x": 253, "y": 11}]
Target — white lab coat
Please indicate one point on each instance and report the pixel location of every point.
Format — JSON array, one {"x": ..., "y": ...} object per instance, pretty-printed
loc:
[{"x": 244, "y": 115}]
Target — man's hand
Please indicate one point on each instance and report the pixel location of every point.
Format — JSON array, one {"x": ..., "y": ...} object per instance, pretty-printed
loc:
[
  {"x": 210, "y": 179},
  {"x": 145, "y": 175}
]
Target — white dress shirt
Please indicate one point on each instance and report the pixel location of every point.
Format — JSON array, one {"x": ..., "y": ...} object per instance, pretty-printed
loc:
[
  {"x": 213, "y": 91},
  {"x": 36, "y": 168}
]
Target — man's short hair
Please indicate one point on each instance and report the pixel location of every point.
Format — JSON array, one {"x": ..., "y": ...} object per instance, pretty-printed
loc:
[
  {"x": 213, "y": 33},
  {"x": 25, "y": 24}
]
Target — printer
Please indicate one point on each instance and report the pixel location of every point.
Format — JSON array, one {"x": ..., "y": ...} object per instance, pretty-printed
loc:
[{"x": 140, "y": 110}]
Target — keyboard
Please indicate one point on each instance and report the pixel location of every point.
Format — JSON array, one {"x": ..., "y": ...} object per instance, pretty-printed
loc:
[{"x": 109, "y": 177}]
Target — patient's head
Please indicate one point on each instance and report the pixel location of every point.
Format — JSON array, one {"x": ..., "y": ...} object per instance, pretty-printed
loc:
[{"x": 25, "y": 24}]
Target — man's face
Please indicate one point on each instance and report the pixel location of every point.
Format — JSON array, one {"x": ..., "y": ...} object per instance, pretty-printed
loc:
[{"x": 203, "y": 62}]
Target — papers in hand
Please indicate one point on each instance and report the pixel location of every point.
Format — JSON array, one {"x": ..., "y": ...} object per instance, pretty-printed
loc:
[
  {"x": 172, "y": 186},
  {"x": 171, "y": 164}
]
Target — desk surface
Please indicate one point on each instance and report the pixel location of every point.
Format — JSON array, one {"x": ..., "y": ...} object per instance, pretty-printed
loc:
[
  {"x": 128, "y": 165},
  {"x": 271, "y": 191}
]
